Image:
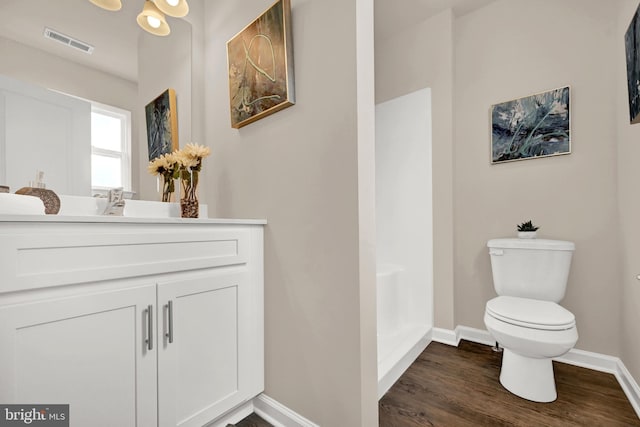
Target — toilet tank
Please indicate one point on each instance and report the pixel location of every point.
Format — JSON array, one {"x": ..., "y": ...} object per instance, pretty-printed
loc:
[{"x": 531, "y": 268}]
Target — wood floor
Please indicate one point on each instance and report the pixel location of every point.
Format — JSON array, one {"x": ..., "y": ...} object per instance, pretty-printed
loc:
[
  {"x": 459, "y": 386},
  {"x": 449, "y": 386},
  {"x": 253, "y": 421}
]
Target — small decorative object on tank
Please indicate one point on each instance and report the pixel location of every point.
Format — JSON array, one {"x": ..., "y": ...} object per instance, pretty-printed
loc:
[{"x": 527, "y": 230}]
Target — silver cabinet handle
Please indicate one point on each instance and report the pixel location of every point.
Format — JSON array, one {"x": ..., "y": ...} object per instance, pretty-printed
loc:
[
  {"x": 149, "y": 340},
  {"x": 169, "y": 333}
]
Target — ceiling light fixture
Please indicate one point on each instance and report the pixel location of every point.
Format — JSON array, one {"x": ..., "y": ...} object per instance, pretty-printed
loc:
[
  {"x": 152, "y": 20},
  {"x": 173, "y": 8},
  {"x": 111, "y": 5}
]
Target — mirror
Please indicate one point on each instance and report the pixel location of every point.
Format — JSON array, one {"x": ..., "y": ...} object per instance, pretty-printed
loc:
[{"x": 121, "y": 71}]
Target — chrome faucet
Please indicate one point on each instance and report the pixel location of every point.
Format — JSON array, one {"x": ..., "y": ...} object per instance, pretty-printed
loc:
[{"x": 115, "y": 202}]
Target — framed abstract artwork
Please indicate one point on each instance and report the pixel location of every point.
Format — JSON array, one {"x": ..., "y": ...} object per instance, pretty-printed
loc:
[
  {"x": 531, "y": 127},
  {"x": 162, "y": 124},
  {"x": 632, "y": 48},
  {"x": 260, "y": 62}
]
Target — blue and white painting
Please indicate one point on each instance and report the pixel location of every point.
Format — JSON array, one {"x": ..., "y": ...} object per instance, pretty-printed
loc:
[
  {"x": 530, "y": 127},
  {"x": 632, "y": 48}
]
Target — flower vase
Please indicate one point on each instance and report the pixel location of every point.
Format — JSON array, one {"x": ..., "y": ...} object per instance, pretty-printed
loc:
[
  {"x": 168, "y": 187},
  {"x": 189, "y": 204}
]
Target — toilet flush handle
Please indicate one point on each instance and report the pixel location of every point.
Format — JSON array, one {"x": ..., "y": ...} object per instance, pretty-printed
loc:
[{"x": 497, "y": 252}]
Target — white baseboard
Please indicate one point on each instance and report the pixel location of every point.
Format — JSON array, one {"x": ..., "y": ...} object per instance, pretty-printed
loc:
[
  {"x": 610, "y": 364},
  {"x": 234, "y": 416},
  {"x": 449, "y": 337},
  {"x": 277, "y": 414},
  {"x": 398, "y": 368},
  {"x": 629, "y": 386},
  {"x": 590, "y": 360},
  {"x": 444, "y": 336},
  {"x": 585, "y": 359},
  {"x": 480, "y": 336}
]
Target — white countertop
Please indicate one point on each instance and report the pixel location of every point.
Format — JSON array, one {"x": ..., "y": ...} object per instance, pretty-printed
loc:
[
  {"x": 125, "y": 219},
  {"x": 79, "y": 209}
]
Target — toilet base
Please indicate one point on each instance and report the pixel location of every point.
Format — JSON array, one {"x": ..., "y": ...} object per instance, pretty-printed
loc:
[{"x": 529, "y": 378}]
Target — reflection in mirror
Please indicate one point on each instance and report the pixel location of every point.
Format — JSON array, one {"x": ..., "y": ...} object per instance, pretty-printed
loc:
[
  {"x": 122, "y": 71},
  {"x": 46, "y": 131}
]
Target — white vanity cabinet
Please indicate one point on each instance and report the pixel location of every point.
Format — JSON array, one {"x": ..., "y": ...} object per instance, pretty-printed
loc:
[
  {"x": 205, "y": 367},
  {"x": 132, "y": 323},
  {"x": 85, "y": 351}
]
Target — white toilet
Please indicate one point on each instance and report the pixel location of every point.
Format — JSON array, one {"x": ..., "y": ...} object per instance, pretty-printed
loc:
[{"x": 530, "y": 278}]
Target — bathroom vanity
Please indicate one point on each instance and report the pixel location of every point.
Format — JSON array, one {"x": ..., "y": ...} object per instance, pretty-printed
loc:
[{"x": 131, "y": 321}]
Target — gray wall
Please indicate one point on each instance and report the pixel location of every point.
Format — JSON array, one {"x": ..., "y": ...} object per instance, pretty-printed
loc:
[
  {"x": 163, "y": 63},
  {"x": 299, "y": 169},
  {"x": 35, "y": 66},
  {"x": 419, "y": 57},
  {"x": 588, "y": 196},
  {"x": 628, "y": 204},
  {"x": 571, "y": 197}
]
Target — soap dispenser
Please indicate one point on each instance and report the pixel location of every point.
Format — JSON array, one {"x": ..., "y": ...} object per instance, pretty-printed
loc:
[{"x": 38, "y": 189}]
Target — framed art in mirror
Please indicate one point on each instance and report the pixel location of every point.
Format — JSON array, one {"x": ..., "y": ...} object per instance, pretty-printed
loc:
[{"x": 162, "y": 124}]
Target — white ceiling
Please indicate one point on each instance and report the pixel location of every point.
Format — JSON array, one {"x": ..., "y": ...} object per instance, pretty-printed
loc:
[
  {"x": 115, "y": 34},
  {"x": 393, "y": 16}
]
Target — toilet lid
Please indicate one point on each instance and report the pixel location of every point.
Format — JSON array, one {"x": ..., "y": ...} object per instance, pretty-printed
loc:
[{"x": 531, "y": 313}]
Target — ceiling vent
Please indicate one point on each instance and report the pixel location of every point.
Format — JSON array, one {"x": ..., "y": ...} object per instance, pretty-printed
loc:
[{"x": 69, "y": 41}]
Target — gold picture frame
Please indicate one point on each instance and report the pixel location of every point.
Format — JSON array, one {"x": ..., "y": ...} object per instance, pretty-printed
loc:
[
  {"x": 162, "y": 124},
  {"x": 260, "y": 64}
]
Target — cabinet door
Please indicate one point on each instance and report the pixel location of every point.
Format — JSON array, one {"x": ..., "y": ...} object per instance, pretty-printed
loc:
[
  {"x": 203, "y": 349},
  {"x": 87, "y": 351}
]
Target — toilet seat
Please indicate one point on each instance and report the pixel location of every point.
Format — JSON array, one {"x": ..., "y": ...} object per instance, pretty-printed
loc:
[{"x": 530, "y": 313}]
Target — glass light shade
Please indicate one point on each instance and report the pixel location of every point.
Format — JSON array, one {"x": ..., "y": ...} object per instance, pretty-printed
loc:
[
  {"x": 112, "y": 5},
  {"x": 153, "y": 21},
  {"x": 174, "y": 8},
  {"x": 151, "y": 12}
]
